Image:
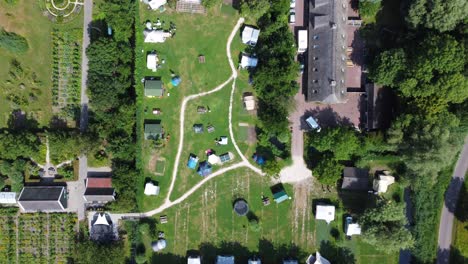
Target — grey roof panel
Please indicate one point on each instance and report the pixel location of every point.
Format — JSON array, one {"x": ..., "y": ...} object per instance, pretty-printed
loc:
[{"x": 41, "y": 193}]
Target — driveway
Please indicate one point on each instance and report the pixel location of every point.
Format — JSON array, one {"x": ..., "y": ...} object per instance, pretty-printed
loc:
[{"x": 451, "y": 199}]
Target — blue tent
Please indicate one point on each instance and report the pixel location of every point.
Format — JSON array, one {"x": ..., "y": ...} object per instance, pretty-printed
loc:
[
  {"x": 176, "y": 80},
  {"x": 204, "y": 169},
  {"x": 258, "y": 159},
  {"x": 192, "y": 162}
]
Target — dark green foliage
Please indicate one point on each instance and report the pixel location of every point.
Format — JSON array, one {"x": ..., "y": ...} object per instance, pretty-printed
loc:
[
  {"x": 18, "y": 144},
  {"x": 384, "y": 227},
  {"x": 66, "y": 172},
  {"x": 341, "y": 141},
  {"x": 441, "y": 15},
  {"x": 68, "y": 145},
  {"x": 388, "y": 67},
  {"x": 369, "y": 8},
  {"x": 90, "y": 252},
  {"x": 11, "y": 2},
  {"x": 272, "y": 168},
  {"x": 14, "y": 170},
  {"x": 254, "y": 8},
  {"x": 12, "y": 42},
  {"x": 328, "y": 170},
  {"x": 119, "y": 15}
]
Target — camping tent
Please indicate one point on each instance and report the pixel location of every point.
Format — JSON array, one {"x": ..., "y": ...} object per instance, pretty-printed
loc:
[
  {"x": 155, "y": 4},
  {"x": 213, "y": 159},
  {"x": 159, "y": 245},
  {"x": 381, "y": 184},
  {"x": 204, "y": 169},
  {"x": 254, "y": 261},
  {"x": 193, "y": 260},
  {"x": 248, "y": 62},
  {"x": 250, "y": 36},
  {"x": 249, "y": 102},
  {"x": 325, "y": 212},
  {"x": 353, "y": 229},
  {"x": 151, "y": 189},
  {"x": 192, "y": 162},
  {"x": 176, "y": 80},
  {"x": 318, "y": 259},
  {"x": 225, "y": 260},
  {"x": 223, "y": 140},
  {"x": 152, "y": 62},
  {"x": 156, "y": 36},
  {"x": 280, "y": 196},
  {"x": 258, "y": 159}
]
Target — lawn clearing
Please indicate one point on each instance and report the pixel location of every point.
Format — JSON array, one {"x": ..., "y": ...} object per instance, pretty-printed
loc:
[
  {"x": 196, "y": 35},
  {"x": 26, "y": 78}
]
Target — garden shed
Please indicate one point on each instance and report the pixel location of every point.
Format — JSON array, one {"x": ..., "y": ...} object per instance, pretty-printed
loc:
[
  {"x": 153, "y": 131},
  {"x": 325, "y": 212},
  {"x": 204, "y": 169},
  {"x": 192, "y": 162},
  {"x": 154, "y": 88}
]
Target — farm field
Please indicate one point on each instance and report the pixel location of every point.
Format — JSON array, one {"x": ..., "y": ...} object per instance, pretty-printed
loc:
[
  {"x": 34, "y": 81},
  {"x": 206, "y": 222},
  {"x": 38, "y": 238},
  {"x": 180, "y": 54}
]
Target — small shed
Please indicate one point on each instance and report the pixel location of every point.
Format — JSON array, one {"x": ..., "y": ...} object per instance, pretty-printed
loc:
[
  {"x": 355, "y": 179},
  {"x": 204, "y": 169},
  {"x": 325, "y": 212},
  {"x": 249, "y": 102},
  {"x": 7, "y": 198},
  {"x": 241, "y": 208},
  {"x": 152, "y": 61},
  {"x": 151, "y": 189},
  {"x": 280, "y": 196},
  {"x": 382, "y": 182},
  {"x": 201, "y": 110},
  {"x": 192, "y": 162},
  {"x": 198, "y": 128},
  {"x": 154, "y": 88},
  {"x": 214, "y": 159},
  {"x": 248, "y": 62},
  {"x": 153, "y": 131},
  {"x": 210, "y": 129},
  {"x": 159, "y": 245}
]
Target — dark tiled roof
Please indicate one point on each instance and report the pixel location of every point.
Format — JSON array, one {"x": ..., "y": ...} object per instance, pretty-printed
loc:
[
  {"x": 99, "y": 191},
  {"x": 41, "y": 193}
]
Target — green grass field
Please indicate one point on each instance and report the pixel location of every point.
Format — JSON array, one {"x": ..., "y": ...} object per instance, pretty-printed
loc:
[{"x": 32, "y": 90}]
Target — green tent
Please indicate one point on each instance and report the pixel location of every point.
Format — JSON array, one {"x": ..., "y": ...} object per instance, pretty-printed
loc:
[
  {"x": 153, "y": 131},
  {"x": 153, "y": 88}
]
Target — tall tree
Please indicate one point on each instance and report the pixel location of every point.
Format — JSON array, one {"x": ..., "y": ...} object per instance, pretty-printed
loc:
[
  {"x": 254, "y": 8},
  {"x": 328, "y": 171},
  {"x": 341, "y": 141},
  {"x": 441, "y": 15}
]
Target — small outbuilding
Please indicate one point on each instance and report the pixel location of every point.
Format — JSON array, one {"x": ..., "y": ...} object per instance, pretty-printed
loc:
[
  {"x": 325, "y": 212},
  {"x": 7, "y": 198},
  {"x": 249, "y": 102},
  {"x": 198, "y": 128},
  {"x": 355, "y": 179},
  {"x": 192, "y": 162},
  {"x": 383, "y": 181},
  {"x": 250, "y": 35},
  {"x": 151, "y": 189},
  {"x": 152, "y": 62},
  {"x": 159, "y": 245},
  {"x": 204, "y": 169},
  {"x": 241, "y": 208},
  {"x": 154, "y": 88},
  {"x": 153, "y": 131},
  {"x": 280, "y": 196},
  {"x": 248, "y": 62},
  {"x": 225, "y": 260}
]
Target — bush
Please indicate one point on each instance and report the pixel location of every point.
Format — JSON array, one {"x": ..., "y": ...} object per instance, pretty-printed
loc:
[
  {"x": 210, "y": 3},
  {"x": 369, "y": 8},
  {"x": 13, "y": 42}
]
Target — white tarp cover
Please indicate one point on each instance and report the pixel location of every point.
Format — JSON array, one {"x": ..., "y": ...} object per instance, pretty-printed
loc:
[
  {"x": 101, "y": 220},
  {"x": 214, "y": 159},
  {"x": 151, "y": 189},
  {"x": 152, "y": 62},
  {"x": 247, "y": 61},
  {"x": 353, "y": 229},
  {"x": 159, "y": 245},
  {"x": 156, "y": 36},
  {"x": 250, "y": 35},
  {"x": 381, "y": 184},
  {"x": 193, "y": 260},
  {"x": 325, "y": 212},
  {"x": 155, "y": 4},
  {"x": 7, "y": 197},
  {"x": 249, "y": 102},
  {"x": 223, "y": 141}
]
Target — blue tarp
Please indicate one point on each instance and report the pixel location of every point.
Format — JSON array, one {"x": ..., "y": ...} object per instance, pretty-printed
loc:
[
  {"x": 192, "y": 162},
  {"x": 176, "y": 81},
  {"x": 204, "y": 169},
  {"x": 258, "y": 159}
]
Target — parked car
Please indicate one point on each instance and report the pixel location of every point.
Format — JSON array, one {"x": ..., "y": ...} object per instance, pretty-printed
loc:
[
  {"x": 292, "y": 16},
  {"x": 292, "y": 4},
  {"x": 313, "y": 124}
]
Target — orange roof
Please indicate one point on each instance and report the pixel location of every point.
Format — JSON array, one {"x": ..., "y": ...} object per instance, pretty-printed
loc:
[{"x": 99, "y": 183}]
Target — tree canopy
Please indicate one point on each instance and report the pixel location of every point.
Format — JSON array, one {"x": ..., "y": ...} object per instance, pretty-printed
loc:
[
  {"x": 384, "y": 227},
  {"x": 328, "y": 171},
  {"x": 441, "y": 15},
  {"x": 341, "y": 141},
  {"x": 254, "y": 8},
  {"x": 13, "y": 42}
]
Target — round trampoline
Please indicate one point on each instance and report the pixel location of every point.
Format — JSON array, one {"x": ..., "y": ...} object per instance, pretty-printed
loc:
[{"x": 241, "y": 207}]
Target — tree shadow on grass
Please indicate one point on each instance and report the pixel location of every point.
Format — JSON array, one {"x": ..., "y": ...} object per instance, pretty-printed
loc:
[{"x": 336, "y": 254}]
